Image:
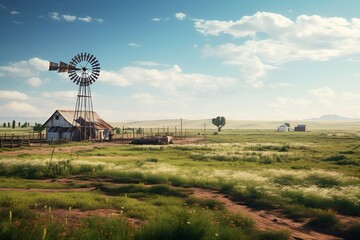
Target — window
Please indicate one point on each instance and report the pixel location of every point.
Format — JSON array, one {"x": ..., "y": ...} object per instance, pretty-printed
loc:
[{"x": 56, "y": 117}]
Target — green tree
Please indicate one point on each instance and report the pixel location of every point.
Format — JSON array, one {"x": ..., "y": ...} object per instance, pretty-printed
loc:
[
  {"x": 8, "y": 124},
  {"x": 219, "y": 122},
  {"x": 118, "y": 131},
  {"x": 19, "y": 124},
  {"x": 38, "y": 128},
  {"x": 13, "y": 124},
  {"x": 4, "y": 125}
]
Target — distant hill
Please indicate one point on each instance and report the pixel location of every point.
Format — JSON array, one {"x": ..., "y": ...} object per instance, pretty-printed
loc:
[{"x": 333, "y": 117}]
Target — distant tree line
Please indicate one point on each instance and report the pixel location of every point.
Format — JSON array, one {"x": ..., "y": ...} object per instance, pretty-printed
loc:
[{"x": 13, "y": 125}]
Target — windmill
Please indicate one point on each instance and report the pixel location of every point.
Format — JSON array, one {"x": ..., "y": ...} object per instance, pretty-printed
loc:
[{"x": 83, "y": 70}]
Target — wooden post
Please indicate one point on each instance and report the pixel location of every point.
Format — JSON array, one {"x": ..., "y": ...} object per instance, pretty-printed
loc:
[
  {"x": 151, "y": 133},
  {"x": 181, "y": 130},
  {"x": 158, "y": 131},
  {"x": 1, "y": 141},
  {"x": 122, "y": 133},
  {"x": 175, "y": 131}
]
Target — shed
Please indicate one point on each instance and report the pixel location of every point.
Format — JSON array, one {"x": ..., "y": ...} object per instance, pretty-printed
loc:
[
  {"x": 61, "y": 126},
  {"x": 300, "y": 128},
  {"x": 283, "y": 128}
]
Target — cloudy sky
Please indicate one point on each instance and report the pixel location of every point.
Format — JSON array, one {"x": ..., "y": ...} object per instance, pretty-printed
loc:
[{"x": 166, "y": 59}]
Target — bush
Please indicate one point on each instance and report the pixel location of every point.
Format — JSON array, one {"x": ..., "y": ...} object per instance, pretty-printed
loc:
[
  {"x": 353, "y": 232},
  {"x": 324, "y": 219}
]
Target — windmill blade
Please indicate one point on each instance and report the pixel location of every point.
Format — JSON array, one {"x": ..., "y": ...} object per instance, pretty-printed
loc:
[
  {"x": 87, "y": 57},
  {"x": 91, "y": 58},
  {"x": 93, "y": 61},
  {"x": 82, "y": 56},
  {"x": 73, "y": 76},
  {"x": 96, "y": 65},
  {"x": 78, "y": 58},
  {"x": 53, "y": 66},
  {"x": 92, "y": 78}
]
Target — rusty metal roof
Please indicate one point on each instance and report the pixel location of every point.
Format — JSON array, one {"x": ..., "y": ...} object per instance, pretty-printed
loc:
[{"x": 68, "y": 115}]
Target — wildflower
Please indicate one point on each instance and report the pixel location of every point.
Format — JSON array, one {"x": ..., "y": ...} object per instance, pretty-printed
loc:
[
  {"x": 188, "y": 223},
  {"x": 216, "y": 234}
]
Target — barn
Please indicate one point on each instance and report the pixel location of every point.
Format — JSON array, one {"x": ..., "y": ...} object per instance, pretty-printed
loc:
[
  {"x": 300, "y": 128},
  {"x": 60, "y": 126}
]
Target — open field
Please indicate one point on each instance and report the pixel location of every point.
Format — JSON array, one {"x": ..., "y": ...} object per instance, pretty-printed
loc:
[
  {"x": 240, "y": 184},
  {"x": 352, "y": 125}
]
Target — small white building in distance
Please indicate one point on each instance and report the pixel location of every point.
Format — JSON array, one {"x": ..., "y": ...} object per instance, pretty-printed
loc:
[
  {"x": 60, "y": 126},
  {"x": 283, "y": 128}
]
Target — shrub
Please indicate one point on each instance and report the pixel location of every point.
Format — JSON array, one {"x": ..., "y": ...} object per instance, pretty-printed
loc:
[
  {"x": 324, "y": 219},
  {"x": 353, "y": 232}
]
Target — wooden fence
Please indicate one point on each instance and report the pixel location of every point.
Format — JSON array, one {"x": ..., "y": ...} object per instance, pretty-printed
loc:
[
  {"x": 18, "y": 140},
  {"x": 127, "y": 133}
]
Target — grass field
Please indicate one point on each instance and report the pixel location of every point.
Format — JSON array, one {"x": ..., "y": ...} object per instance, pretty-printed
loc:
[{"x": 115, "y": 191}]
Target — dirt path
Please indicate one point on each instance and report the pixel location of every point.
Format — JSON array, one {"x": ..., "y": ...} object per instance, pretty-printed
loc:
[{"x": 264, "y": 220}]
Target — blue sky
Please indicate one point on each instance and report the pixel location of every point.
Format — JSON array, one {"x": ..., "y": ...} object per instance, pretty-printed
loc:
[{"x": 251, "y": 60}]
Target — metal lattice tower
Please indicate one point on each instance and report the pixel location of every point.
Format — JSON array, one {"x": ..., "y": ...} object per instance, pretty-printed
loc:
[{"x": 83, "y": 70}]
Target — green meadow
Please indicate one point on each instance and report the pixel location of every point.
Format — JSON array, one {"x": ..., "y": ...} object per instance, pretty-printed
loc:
[{"x": 312, "y": 177}]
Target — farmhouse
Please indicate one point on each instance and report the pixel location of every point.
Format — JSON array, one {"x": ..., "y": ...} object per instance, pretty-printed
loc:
[
  {"x": 61, "y": 126},
  {"x": 300, "y": 128},
  {"x": 283, "y": 128}
]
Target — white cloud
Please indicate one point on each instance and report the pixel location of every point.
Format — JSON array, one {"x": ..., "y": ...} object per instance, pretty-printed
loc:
[
  {"x": 60, "y": 95},
  {"x": 280, "y": 85},
  {"x": 14, "y": 12},
  {"x": 69, "y": 18},
  {"x": 27, "y": 68},
  {"x": 282, "y": 40},
  {"x": 86, "y": 19},
  {"x": 147, "y": 63},
  {"x": 168, "y": 79},
  {"x": 350, "y": 95},
  {"x": 20, "y": 107},
  {"x": 325, "y": 92},
  {"x": 159, "y": 19},
  {"x": 55, "y": 16},
  {"x": 34, "y": 81},
  {"x": 133, "y": 44},
  {"x": 144, "y": 98},
  {"x": 18, "y": 22},
  {"x": 13, "y": 95},
  {"x": 180, "y": 16}
]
